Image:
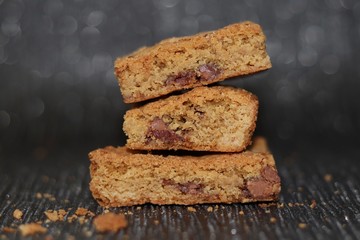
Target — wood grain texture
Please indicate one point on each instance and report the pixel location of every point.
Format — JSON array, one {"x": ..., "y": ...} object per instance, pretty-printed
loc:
[{"x": 65, "y": 176}]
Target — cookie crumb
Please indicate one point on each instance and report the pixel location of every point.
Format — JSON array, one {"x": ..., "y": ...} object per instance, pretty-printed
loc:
[
  {"x": 138, "y": 208},
  {"x": 110, "y": 222},
  {"x": 17, "y": 214},
  {"x": 128, "y": 213},
  {"x": 241, "y": 212},
  {"x": 48, "y": 196},
  {"x": 55, "y": 215},
  {"x": 266, "y": 205},
  {"x": 81, "y": 219},
  {"x": 313, "y": 204},
  {"x": 267, "y": 210},
  {"x": 70, "y": 237},
  {"x": 328, "y": 177},
  {"x": 290, "y": 205},
  {"x": 49, "y": 237},
  {"x": 38, "y": 195},
  {"x": 210, "y": 209},
  {"x": 191, "y": 209},
  {"x": 87, "y": 232},
  {"x": 8, "y": 230},
  {"x": 45, "y": 179},
  {"x": 84, "y": 212},
  {"x": 273, "y": 220},
  {"x": 31, "y": 229},
  {"x": 71, "y": 218},
  {"x": 156, "y": 222},
  {"x": 302, "y": 225},
  {"x": 281, "y": 205}
]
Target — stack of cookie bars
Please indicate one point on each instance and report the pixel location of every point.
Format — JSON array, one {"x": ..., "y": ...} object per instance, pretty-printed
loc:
[{"x": 214, "y": 124}]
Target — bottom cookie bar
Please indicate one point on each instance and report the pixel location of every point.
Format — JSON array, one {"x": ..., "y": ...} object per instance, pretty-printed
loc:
[{"x": 120, "y": 177}]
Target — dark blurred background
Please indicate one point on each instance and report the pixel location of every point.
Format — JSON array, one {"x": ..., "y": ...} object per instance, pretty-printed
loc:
[{"x": 58, "y": 90}]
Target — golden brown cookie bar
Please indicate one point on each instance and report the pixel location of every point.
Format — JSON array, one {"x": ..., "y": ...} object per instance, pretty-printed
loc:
[
  {"x": 121, "y": 177},
  {"x": 216, "y": 118},
  {"x": 187, "y": 62}
]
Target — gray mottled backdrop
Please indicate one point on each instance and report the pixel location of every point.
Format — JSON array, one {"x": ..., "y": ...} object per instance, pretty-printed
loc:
[{"x": 57, "y": 86}]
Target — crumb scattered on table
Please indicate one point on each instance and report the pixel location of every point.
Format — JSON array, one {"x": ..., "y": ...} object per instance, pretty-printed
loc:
[
  {"x": 8, "y": 230},
  {"x": 84, "y": 212},
  {"x": 313, "y": 204},
  {"x": 87, "y": 233},
  {"x": 266, "y": 205},
  {"x": 302, "y": 225},
  {"x": 241, "y": 212},
  {"x": 49, "y": 237},
  {"x": 81, "y": 219},
  {"x": 55, "y": 215},
  {"x": 273, "y": 220},
  {"x": 31, "y": 229},
  {"x": 72, "y": 218},
  {"x": 110, "y": 222},
  {"x": 328, "y": 177},
  {"x": 191, "y": 209},
  {"x": 210, "y": 209},
  {"x": 49, "y": 196},
  {"x": 17, "y": 214}
]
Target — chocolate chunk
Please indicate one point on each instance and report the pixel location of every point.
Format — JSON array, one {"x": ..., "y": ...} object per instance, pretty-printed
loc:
[
  {"x": 270, "y": 174},
  {"x": 159, "y": 130},
  {"x": 246, "y": 193},
  {"x": 191, "y": 188},
  {"x": 186, "y": 188},
  {"x": 168, "y": 182},
  {"x": 262, "y": 187},
  {"x": 182, "y": 79},
  {"x": 208, "y": 72},
  {"x": 205, "y": 72}
]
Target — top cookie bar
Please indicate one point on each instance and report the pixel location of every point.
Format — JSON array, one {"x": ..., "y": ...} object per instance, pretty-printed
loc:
[{"x": 187, "y": 62}]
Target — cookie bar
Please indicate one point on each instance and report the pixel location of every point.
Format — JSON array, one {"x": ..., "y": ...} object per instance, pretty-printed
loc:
[
  {"x": 216, "y": 118},
  {"x": 187, "y": 62},
  {"x": 121, "y": 177}
]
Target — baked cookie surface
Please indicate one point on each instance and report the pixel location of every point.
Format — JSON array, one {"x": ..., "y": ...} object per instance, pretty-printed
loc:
[
  {"x": 121, "y": 177},
  {"x": 219, "y": 118},
  {"x": 187, "y": 62}
]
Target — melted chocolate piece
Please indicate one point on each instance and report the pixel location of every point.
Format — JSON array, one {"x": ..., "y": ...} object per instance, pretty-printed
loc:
[
  {"x": 208, "y": 72},
  {"x": 186, "y": 188},
  {"x": 182, "y": 79},
  {"x": 262, "y": 187},
  {"x": 204, "y": 73},
  {"x": 158, "y": 129}
]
